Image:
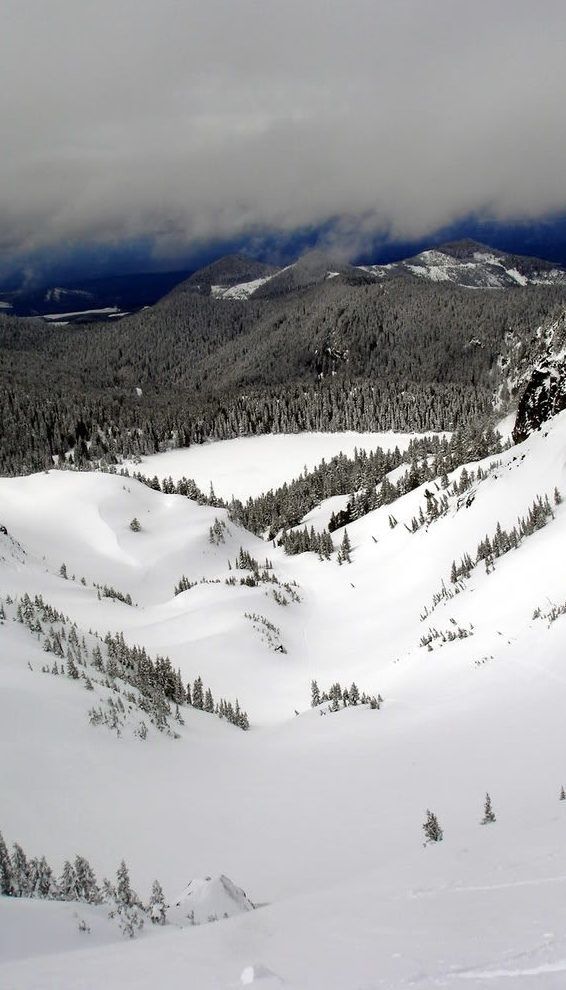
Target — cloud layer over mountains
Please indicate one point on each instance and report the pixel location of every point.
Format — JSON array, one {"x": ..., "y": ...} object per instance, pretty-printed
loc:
[{"x": 186, "y": 121}]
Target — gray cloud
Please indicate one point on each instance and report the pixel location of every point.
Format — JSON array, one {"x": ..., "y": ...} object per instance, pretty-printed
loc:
[{"x": 186, "y": 121}]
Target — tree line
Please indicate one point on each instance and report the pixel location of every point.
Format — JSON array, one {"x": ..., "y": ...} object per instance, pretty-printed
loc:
[{"x": 24, "y": 876}]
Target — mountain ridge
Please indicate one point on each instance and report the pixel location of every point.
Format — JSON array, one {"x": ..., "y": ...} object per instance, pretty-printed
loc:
[{"x": 233, "y": 277}]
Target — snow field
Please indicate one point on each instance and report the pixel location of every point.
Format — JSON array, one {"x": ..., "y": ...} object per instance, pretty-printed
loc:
[
  {"x": 317, "y": 815},
  {"x": 252, "y": 465}
]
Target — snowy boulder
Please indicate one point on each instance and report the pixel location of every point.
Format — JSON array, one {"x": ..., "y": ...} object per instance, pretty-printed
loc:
[
  {"x": 209, "y": 899},
  {"x": 252, "y": 974}
]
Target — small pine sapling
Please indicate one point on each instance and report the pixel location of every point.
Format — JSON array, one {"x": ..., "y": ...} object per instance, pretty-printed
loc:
[
  {"x": 432, "y": 829},
  {"x": 488, "y": 814},
  {"x": 562, "y": 794}
]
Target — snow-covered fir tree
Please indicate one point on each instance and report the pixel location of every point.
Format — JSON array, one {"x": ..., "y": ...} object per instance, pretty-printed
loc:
[{"x": 431, "y": 827}]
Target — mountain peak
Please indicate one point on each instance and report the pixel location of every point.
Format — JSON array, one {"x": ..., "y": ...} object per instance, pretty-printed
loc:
[
  {"x": 232, "y": 269},
  {"x": 466, "y": 248}
]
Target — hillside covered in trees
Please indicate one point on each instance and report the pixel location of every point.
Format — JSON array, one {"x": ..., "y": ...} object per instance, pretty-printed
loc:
[{"x": 342, "y": 352}]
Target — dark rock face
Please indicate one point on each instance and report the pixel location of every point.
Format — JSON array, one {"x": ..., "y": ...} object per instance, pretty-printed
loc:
[{"x": 545, "y": 391}]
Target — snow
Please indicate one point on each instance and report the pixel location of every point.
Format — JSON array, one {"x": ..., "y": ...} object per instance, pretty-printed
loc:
[
  {"x": 32, "y": 927},
  {"x": 259, "y": 972},
  {"x": 209, "y": 899},
  {"x": 521, "y": 279},
  {"x": 110, "y": 310},
  {"x": 241, "y": 291},
  {"x": 249, "y": 466},
  {"x": 379, "y": 271},
  {"x": 505, "y": 427},
  {"x": 485, "y": 270},
  {"x": 319, "y": 517},
  {"x": 317, "y": 815}
]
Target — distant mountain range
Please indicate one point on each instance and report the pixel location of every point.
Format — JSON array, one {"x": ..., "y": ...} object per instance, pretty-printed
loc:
[
  {"x": 240, "y": 348},
  {"x": 466, "y": 263},
  {"x": 92, "y": 299}
]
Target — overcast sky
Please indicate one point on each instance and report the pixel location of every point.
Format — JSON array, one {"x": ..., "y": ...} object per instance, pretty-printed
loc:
[{"x": 184, "y": 121}]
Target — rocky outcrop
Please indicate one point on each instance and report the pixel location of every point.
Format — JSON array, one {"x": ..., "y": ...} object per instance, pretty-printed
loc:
[{"x": 544, "y": 393}]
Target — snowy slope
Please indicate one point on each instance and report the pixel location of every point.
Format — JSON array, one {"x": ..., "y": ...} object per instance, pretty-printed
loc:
[
  {"x": 318, "y": 815},
  {"x": 241, "y": 291}
]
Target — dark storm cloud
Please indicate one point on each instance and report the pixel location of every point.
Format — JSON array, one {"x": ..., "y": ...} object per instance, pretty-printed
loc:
[{"x": 186, "y": 121}]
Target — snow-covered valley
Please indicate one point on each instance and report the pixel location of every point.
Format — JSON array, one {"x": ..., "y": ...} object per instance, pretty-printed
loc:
[{"x": 316, "y": 814}]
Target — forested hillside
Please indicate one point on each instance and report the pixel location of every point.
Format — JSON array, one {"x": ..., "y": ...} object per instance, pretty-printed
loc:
[{"x": 343, "y": 352}]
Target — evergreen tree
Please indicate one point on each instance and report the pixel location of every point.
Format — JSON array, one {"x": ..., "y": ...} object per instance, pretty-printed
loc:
[
  {"x": 41, "y": 878},
  {"x": 97, "y": 658},
  {"x": 488, "y": 814},
  {"x": 432, "y": 829},
  {"x": 157, "y": 905},
  {"x": 335, "y": 695},
  {"x": 562, "y": 794},
  {"x": 346, "y": 548},
  {"x": 315, "y": 695},
  {"x": 68, "y": 886},
  {"x": 87, "y": 887},
  {"x": 20, "y": 872},
  {"x": 198, "y": 699},
  {"x": 124, "y": 893},
  {"x": 135, "y": 525},
  {"x": 6, "y": 885},
  {"x": 127, "y": 906}
]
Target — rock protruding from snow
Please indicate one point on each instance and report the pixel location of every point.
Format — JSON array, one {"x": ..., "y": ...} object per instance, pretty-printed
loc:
[
  {"x": 545, "y": 390},
  {"x": 209, "y": 899},
  {"x": 10, "y": 550}
]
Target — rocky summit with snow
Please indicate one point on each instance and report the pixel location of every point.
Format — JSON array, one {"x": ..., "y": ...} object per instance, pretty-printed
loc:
[
  {"x": 286, "y": 708},
  {"x": 475, "y": 265}
]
